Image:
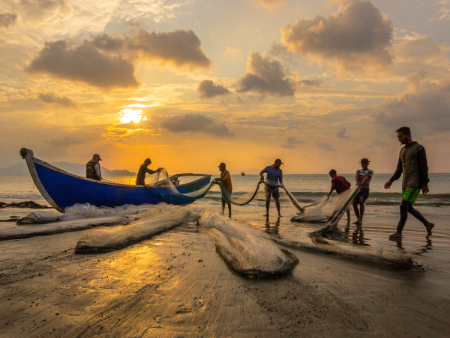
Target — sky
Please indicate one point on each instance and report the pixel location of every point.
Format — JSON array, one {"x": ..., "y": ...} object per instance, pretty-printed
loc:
[{"x": 193, "y": 83}]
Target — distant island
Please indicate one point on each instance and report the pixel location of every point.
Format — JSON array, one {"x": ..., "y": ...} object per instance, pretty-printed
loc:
[{"x": 20, "y": 169}]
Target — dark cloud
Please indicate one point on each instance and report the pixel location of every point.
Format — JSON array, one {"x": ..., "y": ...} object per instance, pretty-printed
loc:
[
  {"x": 195, "y": 123},
  {"x": 180, "y": 48},
  {"x": 208, "y": 89},
  {"x": 38, "y": 8},
  {"x": 107, "y": 61},
  {"x": 7, "y": 19},
  {"x": 424, "y": 106},
  {"x": 325, "y": 146},
  {"x": 83, "y": 63},
  {"x": 52, "y": 98},
  {"x": 291, "y": 142},
  {"x": 265, "y": 75},
  {"x": 356, "y": 37},
  {"x": 342, "y": 133}
]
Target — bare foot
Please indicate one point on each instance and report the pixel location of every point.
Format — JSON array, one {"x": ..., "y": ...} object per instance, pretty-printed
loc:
[
  {"x": 396, "y": 235},
  {"x": 429, "y": 227},
  {"x": 279, "y": 215},
  {"x": 357, "y": 222},
  {"x": 267, "y": 215}
]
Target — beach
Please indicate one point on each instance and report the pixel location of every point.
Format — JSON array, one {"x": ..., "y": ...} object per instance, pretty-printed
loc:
[{"x": 176, "y": 284}]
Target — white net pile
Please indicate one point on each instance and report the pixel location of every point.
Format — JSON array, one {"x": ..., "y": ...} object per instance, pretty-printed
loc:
[
  {"x": 244, "y": 249},
  {"x": 326, "y": 209},
  {"x": 153, "y": 221}
]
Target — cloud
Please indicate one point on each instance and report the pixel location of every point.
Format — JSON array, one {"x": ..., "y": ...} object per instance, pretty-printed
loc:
[
  {"x": 342, "y": 133},
  {"x": 208, "y": 89},
  {"x": 52, "y": 98},
  {"x": 325, "y": 146},
  {"x": 421, "y": 53},
  {"x": 355, "y": 38},
  {"x": 7, "y": 19},
  {"x": 424, "y": 106},
  {"x": 39, "y": 8},
  {"x": 265, "y": 75},
  {"x": 84, "y": 63},
  {"x": 291, "y": 142},
  {"x": 180, "y": 48},
  {"x": 108, "y": 61},
  {"x": 195, "y": 123},
  {"x": 271, "y": 4}
]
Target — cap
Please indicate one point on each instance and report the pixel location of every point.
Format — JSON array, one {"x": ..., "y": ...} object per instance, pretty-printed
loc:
[
  {"x": 222, "y": 165},
  {"x": 278, "y": 160},
  {"x": 97, "y": 155},
  {"x": 364, "y": 160}
]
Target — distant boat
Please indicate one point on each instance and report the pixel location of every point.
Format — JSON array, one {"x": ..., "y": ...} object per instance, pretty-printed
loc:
[
  {"x": 62, "y": 189},
  {"x": 242, "y": 174}
]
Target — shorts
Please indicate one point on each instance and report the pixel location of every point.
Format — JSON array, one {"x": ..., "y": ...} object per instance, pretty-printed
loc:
[
  {"x": 411, "y": 194},
  {"x": 272, "y": 191},
  {"x": 364, "y": 193}
]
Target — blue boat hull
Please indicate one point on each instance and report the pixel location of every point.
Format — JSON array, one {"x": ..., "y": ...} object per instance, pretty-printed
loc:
[{"x": 63, "y": 190}]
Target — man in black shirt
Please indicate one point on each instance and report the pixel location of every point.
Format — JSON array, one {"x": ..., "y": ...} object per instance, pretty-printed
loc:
[{"x": 143, "y": 169}]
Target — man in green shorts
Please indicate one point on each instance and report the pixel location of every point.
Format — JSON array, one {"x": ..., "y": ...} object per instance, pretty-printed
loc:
[{"x": 413, "y": 164}]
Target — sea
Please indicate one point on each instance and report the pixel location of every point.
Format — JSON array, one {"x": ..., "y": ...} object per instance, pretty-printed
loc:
[{"x": 380, "y": 219}]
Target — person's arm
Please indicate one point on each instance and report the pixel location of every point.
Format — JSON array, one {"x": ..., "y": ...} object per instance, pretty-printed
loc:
[
  {"x": 423, "y": 170},
  {"x": 224, "y": 178},
  {"x": 262, "y": 174},
  {"x": 333, "y": 186},
  {"x": 281, "y": 181},
  {"x": 98, "y": 171},
  {"x": 150, "y": 171},
  {"x": 396, "y": 176}
]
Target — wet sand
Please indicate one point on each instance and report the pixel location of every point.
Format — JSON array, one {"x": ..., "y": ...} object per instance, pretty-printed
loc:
[{"x": 175, "y": 284}]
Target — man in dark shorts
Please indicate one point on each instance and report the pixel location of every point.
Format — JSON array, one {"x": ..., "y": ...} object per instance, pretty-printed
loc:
[
  {"x": 274, "y": 175},
  {"x": 225, "y": 179},
  {"x": 340, "y": 184},
  {"x": 413, "y": 164},
  {"x": 363, "y": 178},
  {"x": 143, "y": 169}
]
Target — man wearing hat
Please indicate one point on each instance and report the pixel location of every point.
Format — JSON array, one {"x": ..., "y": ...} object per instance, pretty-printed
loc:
[
  {"x": 93, "y": 168},
  {"x": 225, "y": 179},
  {"x": 274, "y": 175},
  {"x": 363, "y": 178}
]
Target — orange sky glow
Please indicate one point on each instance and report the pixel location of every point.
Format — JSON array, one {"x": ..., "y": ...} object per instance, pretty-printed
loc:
[{"x": 319, "y": 84}]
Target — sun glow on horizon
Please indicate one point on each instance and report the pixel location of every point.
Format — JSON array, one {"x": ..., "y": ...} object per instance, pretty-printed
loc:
[{"x": 128, "y": 115}]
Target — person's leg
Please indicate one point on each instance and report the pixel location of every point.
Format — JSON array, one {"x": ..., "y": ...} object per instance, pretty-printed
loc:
[
  {"x": 229, "y": 209},
  {"x": 277, "y": 203},
  {"x": 355, "y": 208},
  {"x": 403, "y": 216},
  {"x": 417, "y": 214},
  {"x": 420, "y": 217},
  {"x": 361, "y": 208},
  {"x": 223, "y": 205},
  {"x": 267, "y": 206}
]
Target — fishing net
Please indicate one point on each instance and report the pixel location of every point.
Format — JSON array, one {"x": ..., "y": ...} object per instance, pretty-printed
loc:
[
  {"x": 245, "y": 250},
  {"x": 243, "y": 198},
  {"x": 327, "y": 209},
  {"x": 153, "y": 221}
]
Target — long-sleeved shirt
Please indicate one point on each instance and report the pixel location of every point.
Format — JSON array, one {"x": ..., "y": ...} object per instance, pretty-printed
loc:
[{"x": 414, "y": 166}]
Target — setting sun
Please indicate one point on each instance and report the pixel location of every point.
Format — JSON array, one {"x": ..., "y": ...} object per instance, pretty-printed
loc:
[{"x": 128, "y": 115}]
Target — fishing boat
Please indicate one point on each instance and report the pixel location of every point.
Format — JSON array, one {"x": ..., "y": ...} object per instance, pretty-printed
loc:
[{"x": 62, "y": 189}]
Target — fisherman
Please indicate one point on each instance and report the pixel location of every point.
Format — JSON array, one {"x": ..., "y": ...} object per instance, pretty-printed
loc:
[
  {"x": 225, "y": 179},
  {"x": 143, "y": 169},
  {"x": 340, "y": 184},
  {"x": 274, "y": 175},
  {"x": 363, "y": 178},
  {"x": 93, "y": 170},
  {"x": 413, "y": 163}
]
